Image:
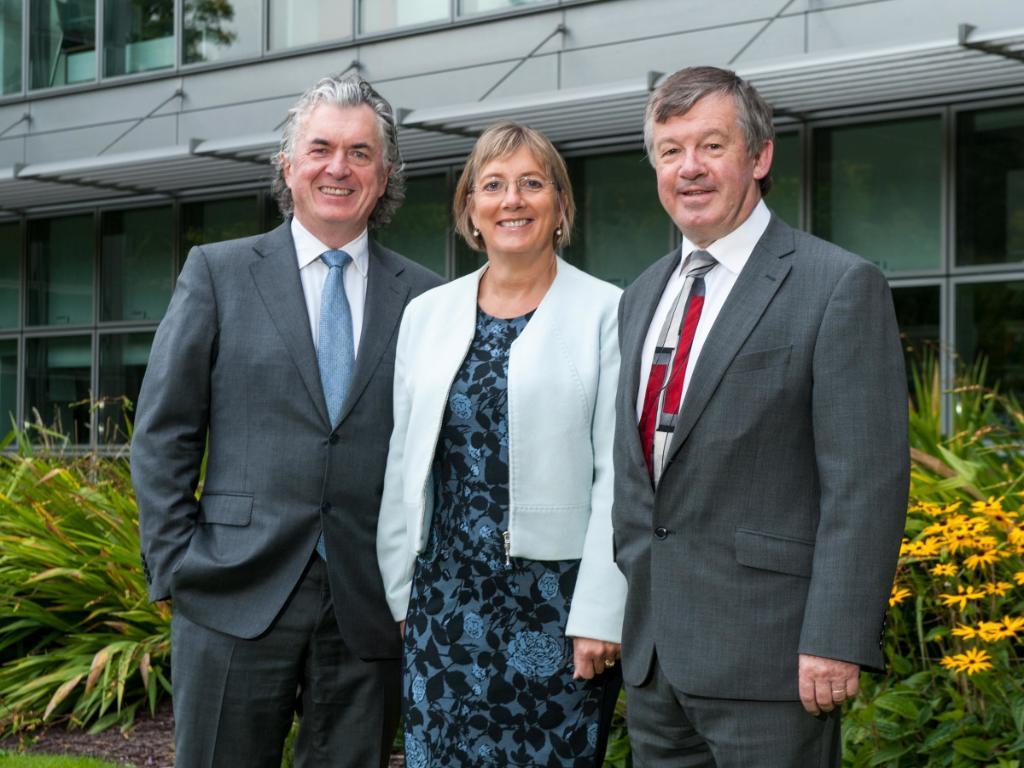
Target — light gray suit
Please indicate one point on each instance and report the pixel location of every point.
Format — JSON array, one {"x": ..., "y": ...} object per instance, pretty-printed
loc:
[
  {"x": 233, "y": 370},
  {"x": 776, "y": 525}
]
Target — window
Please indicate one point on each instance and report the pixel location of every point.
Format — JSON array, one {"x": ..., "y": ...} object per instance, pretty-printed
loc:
[
  {"x": 621, "y": 228},
  {"x": 877, "y": 191},
  {"x": 138, "y": 36},
  {"x": 10, "y": 276},
  {"x": 210, "y": 221},
  {"x": 784, "y": 196},
  {"x": 57, "y": 384},
  {"x": 306, "y": 22},
  {"x": 62, "y": 42},
  {"x": 10, "y": 48},
  {"x": 221, "y": 29},
  {"x": 467, "y": 7},
  {"x": 990, "y": 323},
  {"x": 136, "y": 264},
  {"x": 917, "y": 312},
  {"x": 420, "y": 228},
  {"x": 123, "y": 359},
  {"x": 990, "y": 187},
  {"x": 384, "y": 15},
  {"x": 60, "y": 270},
  {"x": 8, "y": 385}
]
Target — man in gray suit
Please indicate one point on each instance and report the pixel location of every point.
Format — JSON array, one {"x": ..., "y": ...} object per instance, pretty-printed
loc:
[
  {"x": 275, "y": 358},
  {"x": 761, "y": 460}
]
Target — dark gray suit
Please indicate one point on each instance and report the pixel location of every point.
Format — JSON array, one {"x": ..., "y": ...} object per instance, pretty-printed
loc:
[
  {"x": 776, "y": 525},
  {"x": 233, "y": 369}
]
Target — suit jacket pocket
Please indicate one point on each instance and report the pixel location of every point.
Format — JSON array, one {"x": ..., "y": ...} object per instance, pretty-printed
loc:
[
  {"x": 770, "y": 552},
  {"x": 756, "y": 361},
  {"x": 225, "y": 508}
]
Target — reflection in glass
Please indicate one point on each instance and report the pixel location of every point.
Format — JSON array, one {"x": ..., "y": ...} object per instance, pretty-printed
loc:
[
  {"x": 60, "y": 270},
  {"x": 123, "y": 360},
  {"x": 10, "y": 272},
  {"x": 467, "y": 7},
  {"x": 878, "y": 191},
  {"x": 990, "y": 323},
  {"x": 220, "y": 29},
  {"x": 307, "y": 22},
  {"x": 8, "y": 385},
  {"x": 136, "y": 264},
  {"x": 466, "y": 259},
  {"x": 990, "y": 186},
  {"x": 420, "y": 228},
  {"x": 10, "y": 48},
  {"x": 57, "y": 384},
  {"x": 784, "y": 196},
  {"x": 917, "y": 312},
  {"x": 382, "y": 15},
  {"x": 210, "y": 221},
  {"x": 62, "y": 42},
  {"x": 138, "y": 36},
  {"x": 621, "y": 228}
]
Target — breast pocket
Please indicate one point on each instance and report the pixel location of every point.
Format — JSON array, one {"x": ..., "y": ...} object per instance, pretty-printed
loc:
[{"x": 760, "y": 360}]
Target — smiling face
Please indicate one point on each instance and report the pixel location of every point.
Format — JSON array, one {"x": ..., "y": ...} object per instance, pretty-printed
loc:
[
  {"x": 707, "y": 180},
  {"x": 515, "y": 221},
  {"x": 336, "y": 172}
]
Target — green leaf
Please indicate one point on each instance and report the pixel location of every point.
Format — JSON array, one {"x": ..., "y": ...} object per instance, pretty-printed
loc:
[{"x": 972, "y": 747}]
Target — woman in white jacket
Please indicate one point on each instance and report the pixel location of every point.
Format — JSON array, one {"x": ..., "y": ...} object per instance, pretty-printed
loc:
[{"x": 495, "y": 540}]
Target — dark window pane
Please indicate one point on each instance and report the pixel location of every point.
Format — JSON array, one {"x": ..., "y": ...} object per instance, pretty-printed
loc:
[
  {"x": 784, "y": 196},
  {"x": 211, "y": 221},
  {"x": 420, "y": 228},
  {"x": 57, "y": 384},
  {"x": 467, "y": 7},
  {"x": 8, "y": 385},
  {"x": 990, "y": 323},
  {"x": 60, "y": 268},
  {"x": 466, "y": 259},
  {"x": 877, "y": 191},
  {"x": 136, "y": 264},
  {"x": 10, "y": 46},
  {"x": 10, "y": 273},
  {"x": 621, "y": 228},
  {"x": 382, "y": 15},
  {"x": 123, "y": 361},
  {"x": 138, "y": 36},
  {"x": 990, "y": 187},
  {"x": 62, "y": 42},
  {"x": 306, "y": 22},
  {"x": 221, "y": 29},
  {"x": 917, "y": 312}
]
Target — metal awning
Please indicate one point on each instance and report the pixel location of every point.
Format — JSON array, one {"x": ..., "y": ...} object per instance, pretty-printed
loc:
[{"x": 965, "y": 67}]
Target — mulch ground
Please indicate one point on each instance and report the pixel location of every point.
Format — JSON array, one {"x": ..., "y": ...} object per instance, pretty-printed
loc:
[{"x": 149, "y": 743}]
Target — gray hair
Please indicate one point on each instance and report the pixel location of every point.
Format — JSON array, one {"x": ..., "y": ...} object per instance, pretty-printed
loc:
[
  {"x": 345, "y": 91},
  {"x": 681, "y": 90}
]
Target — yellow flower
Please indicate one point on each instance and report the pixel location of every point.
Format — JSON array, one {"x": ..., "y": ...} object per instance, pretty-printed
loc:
[
  {"x": 1019, "y": 577},
  {"x": 962, "y": 596},
  {"x": 1013, "y": 624},
  {"x": 944, "y": 569},
  {"x": 999, "y": 588},
  {"x": 966, "y": 632},
  {"x": 989, "y": 557},
  {"x": 991, "y": 504},
  {"x": 952, "y": 662},
  {"x": 990, "y": 631},
  {"x": 898, "y": 595},
  {"x": 924, "y": 548},
  {"x": 975, "y": 660}
]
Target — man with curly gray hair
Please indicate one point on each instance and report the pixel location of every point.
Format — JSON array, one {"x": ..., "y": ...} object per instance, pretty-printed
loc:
[{"x": 275, "y": 359}]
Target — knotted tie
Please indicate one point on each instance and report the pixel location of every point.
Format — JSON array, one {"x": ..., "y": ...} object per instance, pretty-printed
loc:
[
  {"x": 664, "y": 392},
  {"x": 335, "y": 351}
]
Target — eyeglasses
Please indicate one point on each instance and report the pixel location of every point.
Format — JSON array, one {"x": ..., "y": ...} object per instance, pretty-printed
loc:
[{"x": 527, "y": 185}]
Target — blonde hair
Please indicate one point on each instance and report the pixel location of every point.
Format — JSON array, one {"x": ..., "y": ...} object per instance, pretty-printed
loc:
[{"x": 501, "y": 140}]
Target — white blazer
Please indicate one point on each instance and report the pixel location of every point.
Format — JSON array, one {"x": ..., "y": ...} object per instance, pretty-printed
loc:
[{"x": 562, "y": 373}]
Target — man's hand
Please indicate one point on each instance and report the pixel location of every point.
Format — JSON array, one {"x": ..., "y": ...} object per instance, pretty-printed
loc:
[
  {"x": 826, "y": 683},
  {"x": 592, "y": 657}
]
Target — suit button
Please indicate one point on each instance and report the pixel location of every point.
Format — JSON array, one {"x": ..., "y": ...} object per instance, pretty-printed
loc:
[
  {"x": 325, "y": 507},
  {"x": 661, "y": 532},
  {"x": 333, "y": 439}
]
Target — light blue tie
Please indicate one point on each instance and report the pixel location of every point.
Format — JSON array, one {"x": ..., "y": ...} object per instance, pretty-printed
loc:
[{"x": 335, "y": 351}]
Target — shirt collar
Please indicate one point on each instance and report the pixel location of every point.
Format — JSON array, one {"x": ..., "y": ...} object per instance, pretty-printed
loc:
[
  {"x": 308, "y": 248},
  {"x": 733, "y": 250}
]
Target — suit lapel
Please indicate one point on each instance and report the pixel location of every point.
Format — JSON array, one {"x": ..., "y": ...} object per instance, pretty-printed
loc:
[
  {"x": 277, "y": 280},
  {"x": 750, "y": 296},
  {"x": 386, "y": 297}
]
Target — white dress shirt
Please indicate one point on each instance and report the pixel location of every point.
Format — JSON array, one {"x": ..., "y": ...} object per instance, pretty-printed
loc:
[
  {"x": 313, "y": 274},
  {"x": 731, "y": 252}
]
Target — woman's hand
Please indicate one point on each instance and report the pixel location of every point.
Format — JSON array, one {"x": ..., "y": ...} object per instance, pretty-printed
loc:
[
  {"x": 401, "y": 628},
  {"x": 592, "y": 657}
]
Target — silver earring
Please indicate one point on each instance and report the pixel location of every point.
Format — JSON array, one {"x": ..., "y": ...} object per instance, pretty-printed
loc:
[
  {"x": 476, "y": 232},
  {"x": 558, "y": 232}
]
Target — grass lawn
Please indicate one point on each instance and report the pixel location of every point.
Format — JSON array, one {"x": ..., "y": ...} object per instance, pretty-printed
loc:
[{"x": 13, "y": 760}]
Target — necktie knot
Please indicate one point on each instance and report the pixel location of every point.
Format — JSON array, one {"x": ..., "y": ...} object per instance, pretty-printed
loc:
[
  {"x": 335, "y": 258},
  {"x": 700, "y": 264}
]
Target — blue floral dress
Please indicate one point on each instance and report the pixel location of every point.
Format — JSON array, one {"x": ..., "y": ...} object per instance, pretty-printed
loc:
[{"x": 488, "y": 669}]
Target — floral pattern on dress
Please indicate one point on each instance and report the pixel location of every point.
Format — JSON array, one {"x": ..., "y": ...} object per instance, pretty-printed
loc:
[{"x": 488, "y": 669}]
